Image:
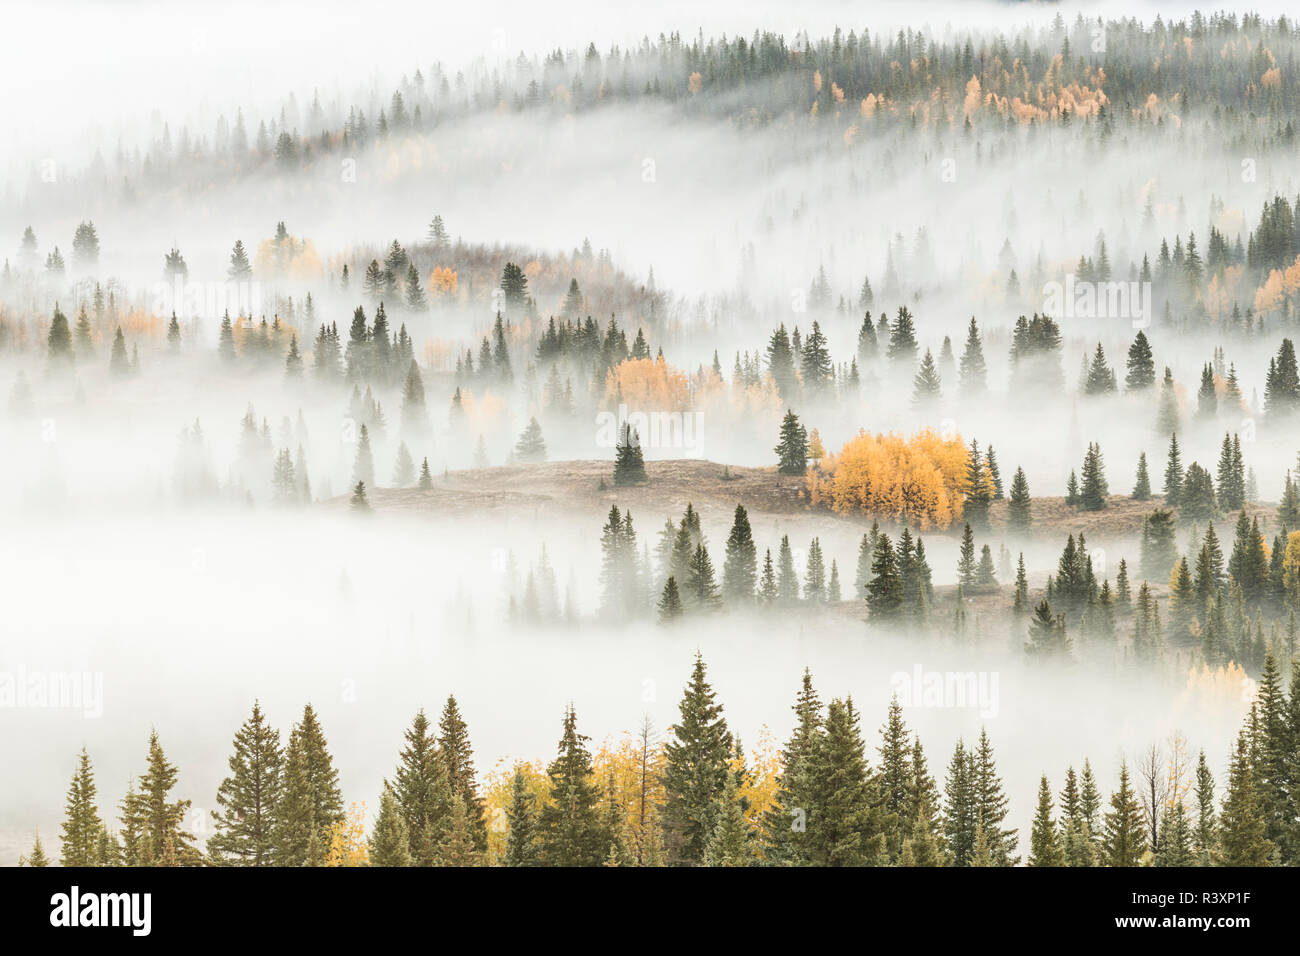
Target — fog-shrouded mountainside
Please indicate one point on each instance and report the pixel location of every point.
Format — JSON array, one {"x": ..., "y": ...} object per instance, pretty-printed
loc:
[{"x": 648, "y": 436}]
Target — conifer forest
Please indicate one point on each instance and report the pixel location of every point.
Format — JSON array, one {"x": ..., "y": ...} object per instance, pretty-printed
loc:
[{"x": 590, "y": 435}]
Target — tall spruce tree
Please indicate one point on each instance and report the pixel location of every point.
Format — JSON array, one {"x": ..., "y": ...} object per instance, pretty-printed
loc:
[
  {"x": 696, "y": 762},
  {"x": 244, "y": 826}
]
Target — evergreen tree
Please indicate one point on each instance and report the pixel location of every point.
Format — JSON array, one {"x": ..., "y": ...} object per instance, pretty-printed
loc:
[
  {"x": 390, "y": 844},
  {"x": 244, "y": 827},
  {"x": 696, "y": 764},
  {"x": 59, "y": 341},
  {"x": 740, "y": 569},
  {"x": 521, "y": 818},
  {"x": 1124, "y": 840},
  {"x": 973, "y": 371},
  {"x": 730, "y": 843},
  {"x": 1141, "y": 366},
  {"x": 792, "y": 451},
  {"x": 532, "y": 448},
  {"x": 1092, "y": 496},
  {"x": 166, "y": 842},
  {"x": 457, "y": 757},
  {"x": 1019, "y": 521},
  {"x": 1142, "y": 489},
  {"x": 629, "y": 464},
  {"x": 844, "y": 827},
  {"x": 310, "y": 799},
  {"x": 1243, "y": 828},
  {"x": 1044, "y": 844},
  {"x": 569, "y": 828},
  {"x": 885, "y": 591},
  {"x": 991, "y": 805},
  {"x": 119, "y": 363},
  {"x": 81, "y": 822},
  {"x": 422, "y": 792},
  {"x": 363, "y": 467},
  {"x": 670, "y": 602}
]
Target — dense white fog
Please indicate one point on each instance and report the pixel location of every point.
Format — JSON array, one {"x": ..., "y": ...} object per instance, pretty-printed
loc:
[{"x": 146, "y": 539}]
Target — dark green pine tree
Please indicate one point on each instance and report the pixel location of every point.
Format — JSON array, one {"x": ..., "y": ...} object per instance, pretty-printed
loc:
[
  {"x": 1092, "y": 496},
  {"x": 1123, "y": 840},
  {"x": 59, "y": 341},
  {"x": 814, "y": 588},
  {"x": 457, "y": 757},
  {"x": 1019, "y": 520},
  {"x": 1175, "y": 847},
  {"x": 966, "y": 560},
  {"x": 570, "y": 829},
  {"x": 1173, "y": 473},
  {"x": 1207, "y": 400},
  {"x": 784, "y": 823},
  {"x": 629, "y": 462},
  {"x": 1044, "y": 842},
  {"x": 787, "y": 580},
  {"x": 1020, "y": 603},
  {"x": 961, "y": 807},
  {"x": 979, "y": 490},
  {"x": 82, "y": 826},
  {"x": 1141, "y": 365},
  {"x": 293, "y": 364},
  {"x": 815, "y": 361},
  {"x": 310, "y": 799},
  {"x": 226, "y": 340},
  {"x": 1047, "y": 635},
  {"x": 425, "y": 482},
  {"x": 992, "y": 804},
  {"x": 902, "y": 338},
  {"x": 792, "y": 450},
  {"x": 670, "y": 602},
  {"x": 1243, "y": 829},
  {"x": 1142, "y": 488},
  {"x": 1101, "y": 377},
  {"x": 389, "y": 844},
  {"x": 160, "y": 820},
  {"x": 927, "y": 387},
  {"x": 885, "y": 590},
  {"x": 894, "y": 780},
  {"x": 845, "y": 828},
  {"x": 701, "y": 583},
  {"x": 244, "y": 825},
  {"x": 422, "y": 791},
  {"x": 781, "y": 362},
  {"x": 768, "y": 592},
  {"x": 973, "y": 372},
  {"x": 1206, "y": 834},
  {"x": 521, "y": 819},
  {"x": 696, "y": 762},
  {"x": 731, "y": 843},
  {"x": 740, "y": 569},
  {"x": 358, "y": 501}
]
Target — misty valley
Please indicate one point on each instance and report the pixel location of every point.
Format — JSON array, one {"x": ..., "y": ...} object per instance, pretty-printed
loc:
[{"x": 635, "y": 441}]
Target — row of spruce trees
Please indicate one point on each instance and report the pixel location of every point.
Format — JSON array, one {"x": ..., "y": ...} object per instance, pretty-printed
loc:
[{"x": 834, "y": 803}]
